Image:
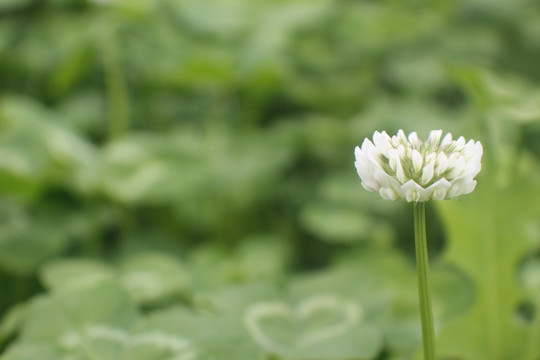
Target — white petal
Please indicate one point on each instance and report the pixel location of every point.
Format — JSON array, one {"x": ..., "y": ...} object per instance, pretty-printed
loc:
[
  {"x": 475, "y": 167},
  {"x": 461, "y": 188},
  {"x": 476, "y": 158},
  {"x": 366, "y": 175},
  {"x": 468, "y": 150},
  {"x": 365, "y": 168},
  {"x": 452, "y": 159},
  {"x": 446, "y": 140},
  {"x": 368, "y": 147},
  {"x": 414, "y": 192},
  {"x": 434, "y": 138},
  {"x": 471, "y": 169},
  {"x": 427, "y": 173},
  {"x": 414, "y": 140},
  {"x": 385, "y": 180},
  {"x": 388, "y": 194},
  {"x": 417, "y": 161},
  {"x": 402, "y": 151},
  {"x": 408, "y": 152},
  {"x": 370, "y": 152},
  {"x": 468, "y": 187},
  {"x": 431, "y": 157},
  {"x": 400, "y": 173},
  {"x": 457, "y": 168},
  {"x": 370, "y": 186},
  {"x": 478, "y": 149},
  {"x": 368, "y": 182},
  {"x": 357, "y": 152},
  {"x": 381, "y": 142},
  {"x": 439, "y": 189},
  {"x": 441, "y": 164},
  {"x": 460, "y": 143},
  {"x": 393, "y": 159},
  {"x": 400, "y": 138}
]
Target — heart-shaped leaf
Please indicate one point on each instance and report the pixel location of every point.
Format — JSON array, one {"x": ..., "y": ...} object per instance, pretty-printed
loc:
[
  {"x": 320, "y": 327},
  {"x": 152, "y": 276}
]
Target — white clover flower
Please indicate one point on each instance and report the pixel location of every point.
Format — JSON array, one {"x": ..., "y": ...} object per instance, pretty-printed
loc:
[{"x": 417, "y": 171}]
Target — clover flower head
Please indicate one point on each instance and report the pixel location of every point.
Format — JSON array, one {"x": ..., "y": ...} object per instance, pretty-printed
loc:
[{"x": 408, "y": 168}]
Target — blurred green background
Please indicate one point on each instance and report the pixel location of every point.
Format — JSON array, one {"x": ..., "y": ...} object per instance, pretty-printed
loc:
[{"x": 177, "y": 179}]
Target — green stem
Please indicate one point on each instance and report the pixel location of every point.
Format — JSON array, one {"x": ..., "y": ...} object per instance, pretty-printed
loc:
[
  {"x": 424, "y": 291},
  {"x": 116, "y": 84}
]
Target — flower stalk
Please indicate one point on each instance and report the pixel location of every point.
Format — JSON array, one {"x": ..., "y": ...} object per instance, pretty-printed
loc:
[
  {"x": 116, "y": 84},
  {"x": 424, "y": 290},
  {"x": 405, "y": 167}
]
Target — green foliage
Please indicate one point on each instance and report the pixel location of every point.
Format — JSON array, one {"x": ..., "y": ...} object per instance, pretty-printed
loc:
[
  {"x": 176, "y": 179},
  {"x": 94, "y": 310},
  {"x": 488, "y": 238}
]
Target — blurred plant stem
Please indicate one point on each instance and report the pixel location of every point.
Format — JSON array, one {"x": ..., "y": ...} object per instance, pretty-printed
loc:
[
  {"x": 117, "y": 101},
  {"x": 117, "y": 93},
  {"x": 424, "y": 291}
]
